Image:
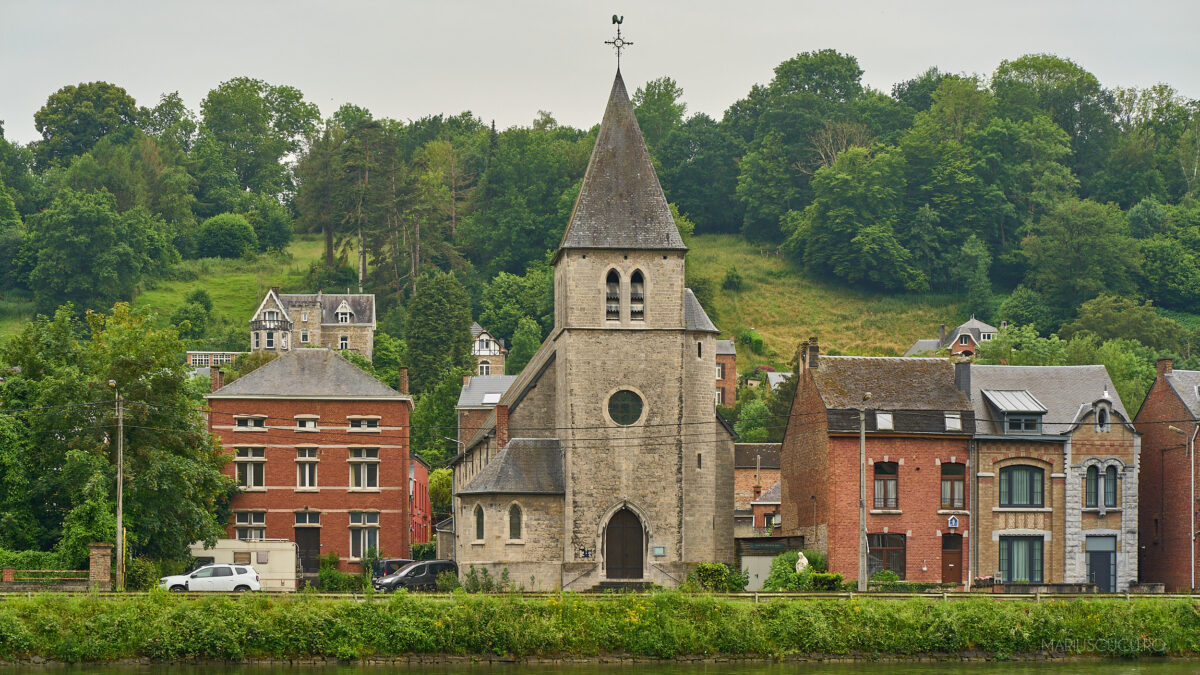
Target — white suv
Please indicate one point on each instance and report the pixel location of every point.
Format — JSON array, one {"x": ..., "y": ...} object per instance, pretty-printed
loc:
[{"x": 219, "y": 577}]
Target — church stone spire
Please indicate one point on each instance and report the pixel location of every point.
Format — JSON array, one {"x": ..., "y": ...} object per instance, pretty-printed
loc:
[{"x": 621, "y": 203}]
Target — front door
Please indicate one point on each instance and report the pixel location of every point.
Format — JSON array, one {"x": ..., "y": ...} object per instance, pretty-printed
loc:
[
  {"x": 308, "y": 547},
  {"x": 1100, "y": 564},
  {"x": 951, "y": 558},
  {"x": 623, "y": 546}
]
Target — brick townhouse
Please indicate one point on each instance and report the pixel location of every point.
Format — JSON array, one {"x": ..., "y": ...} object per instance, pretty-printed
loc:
[
  {"x": 919, "y": 423},
  {"x": 1167, "y": 513},
  {"x": 755, "y": 470},
  {"x": 319, "y": 449},
  {"x": 726, "y": 372},
  {"x": 1056, "y": 480}
]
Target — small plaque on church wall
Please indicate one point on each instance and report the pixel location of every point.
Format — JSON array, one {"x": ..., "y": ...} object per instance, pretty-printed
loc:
[{"x": 660, "y": 551}]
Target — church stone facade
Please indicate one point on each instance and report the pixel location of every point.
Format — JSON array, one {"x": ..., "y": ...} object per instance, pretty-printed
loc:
[{"x": 604, "y": 461}]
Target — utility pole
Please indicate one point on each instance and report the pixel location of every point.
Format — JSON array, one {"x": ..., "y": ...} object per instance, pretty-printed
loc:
[
  {"x": 120, "y": 486},
  {"x": 862, "y": 495}
]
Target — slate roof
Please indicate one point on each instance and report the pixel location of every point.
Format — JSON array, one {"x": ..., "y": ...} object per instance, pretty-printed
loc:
[
  {"x": 974, "y": 327},
  {"x": 621, "y": 203},
  {"x": 771, "y": 496},
  {"x": 308, "y": 373},
  {"x": 923, "y": 346},
  {"x": 479, "y": 386},
  {"x": 694, "y": 316},
  {"x": 745, "y": 454},
  {"x": 361, "y": 304},
  {"x": 476, "y": 329},
  {"x": 1184, "y": 382},
  {"x": 895, "y": 383},
  {"x": 530, "y": 466},
  {"x": 726, "y": 347},
  {"x": 1013, "y": 401},
  {"x": 1065, "y": 392},
  {"x": 776, "y": 379}
]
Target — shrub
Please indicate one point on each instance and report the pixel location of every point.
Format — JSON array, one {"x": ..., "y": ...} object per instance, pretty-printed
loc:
[
  {"x": 885, "y": 577},
  {"x": 732, "y": 280},
  {"x": 752, "y": 340},
  {"x": 226, "y": 235},
  {"x": 783, "y": 567},
  {"x": 481, "y": 581},
  {"x": 719, "y": 577},
  {"x": 817, "y": 560},
  {"x": 141, "y": 574},
  {"x": 330, "y": 578},
  {"x": 32, "y": 560},
  {"x": 824, "y": 581},
  {"x": 448, "y": 581},
  {"x": 426, "y": 551}
]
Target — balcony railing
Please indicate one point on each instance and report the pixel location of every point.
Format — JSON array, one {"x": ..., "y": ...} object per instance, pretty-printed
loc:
[{"x": 270, "y": 324}]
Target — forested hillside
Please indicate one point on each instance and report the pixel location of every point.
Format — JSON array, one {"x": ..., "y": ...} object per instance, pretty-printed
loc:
[{"x": 1035, "y": 194}]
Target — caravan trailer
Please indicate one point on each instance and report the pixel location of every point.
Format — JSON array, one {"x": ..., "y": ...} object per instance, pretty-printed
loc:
[{"x": 275, "y": 560}]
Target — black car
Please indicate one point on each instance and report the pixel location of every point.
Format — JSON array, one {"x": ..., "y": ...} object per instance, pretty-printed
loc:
[
  {"x": 417, "y": 576},
  {"x": 388, "y": 566}
]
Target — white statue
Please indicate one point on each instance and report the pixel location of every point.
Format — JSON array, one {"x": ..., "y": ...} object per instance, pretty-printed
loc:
[{"x": 801, "y": 562}]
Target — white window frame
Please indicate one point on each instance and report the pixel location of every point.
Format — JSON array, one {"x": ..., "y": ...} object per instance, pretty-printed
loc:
[
  {"x": 307, "y": 519},
  {"x": 363, "y": 424},
  {"x": 364, "y": 470},
  {"x": 249, "y": 422},
  {"x": 485, "y": 367},
  {"x": 250, "y": 470},
  {"x": 307, "y": 464},
  {"x": 343, "y": 342},
  {"x": 270, "y": 343},
  {"x": 304, "y": 317},
  {"x": 884, "y": 421},
  {"x": 720, "y": 395},
  {"x": 304, "y": 336},
  {"x": 364, "y": 533},
  {"x": 250, "y": 525},
  {"x": 307, "y": 423},
  {"x": 964, "y": 340},
  {"x": 343, "y": 317},
  {"x": 954, "y": 421},
  {"x": 720, "y": 371},
  {"x": 257, "y": 340}
]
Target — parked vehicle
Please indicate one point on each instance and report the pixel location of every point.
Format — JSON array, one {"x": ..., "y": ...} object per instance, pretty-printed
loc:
[
  {"x": 417, "y": 576},
  {"x": 275, "y": 559},
  {"x": 388, "y": 566},
  {"x": 218, "y": 577}
]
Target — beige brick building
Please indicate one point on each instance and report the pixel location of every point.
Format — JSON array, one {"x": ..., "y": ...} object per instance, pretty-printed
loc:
[
  {"x": 618, "y": 469},
  {"x": 285, "y": 321}
]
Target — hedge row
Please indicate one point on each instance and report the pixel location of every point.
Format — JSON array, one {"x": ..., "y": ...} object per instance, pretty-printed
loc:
[
  {"x": 31, "y": 560},
  {"x": 664, "y": 625}
]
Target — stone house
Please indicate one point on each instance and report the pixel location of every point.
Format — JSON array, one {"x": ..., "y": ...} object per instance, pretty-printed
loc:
[
  {"x": 604, "y": 461},
  {"x": 476, "y": 401},
  {"x": 964, "y": 340},
  {"x": 488, "y": 351},
  {"x": 755, "y": 469},
  {"x": 1167, "y": 514},
  {"x": 918, "y": 424},
  {"x": 335, "y": 321},
  {"x": 1056, "y": 480},
  {"x": 726, "y": 372},
  {"x": 320, "y": 452}
]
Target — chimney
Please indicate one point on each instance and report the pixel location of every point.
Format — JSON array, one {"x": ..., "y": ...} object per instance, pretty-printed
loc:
[
  {"x": 466, "y": 379},
  {"x": 757, "y": 476},
  {"x": 275, "y": 290},
  {"x": 814, "y": 354},
  {"x": 218, "y": 378},
  {"x": 1003, "y": 325},
  {"x": 962, "y": 376},
  {"x": 1164, "y": 367},
  {"x": 403, "y": 379},
  {"x": 942, "y": 333},
  {"x": 501, "y": 426}
]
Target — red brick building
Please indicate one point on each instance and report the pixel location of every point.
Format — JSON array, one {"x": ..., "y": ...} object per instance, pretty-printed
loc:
[
  {"x": 419, "y": 507},
  {"x": 755, "y": 470},
  {"x": 964, "y": 340},
  {"x": 919, "y": 422},
  {"x": 1167, "y": 509},
  {"x": 320, "y": 450},
  {"x": 726, "y": 372}
]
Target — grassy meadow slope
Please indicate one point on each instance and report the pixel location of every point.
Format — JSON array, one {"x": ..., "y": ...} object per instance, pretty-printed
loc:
[{"x": 785, "y": 306}]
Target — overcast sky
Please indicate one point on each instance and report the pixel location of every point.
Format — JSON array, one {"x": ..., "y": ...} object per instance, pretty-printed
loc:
[{"x": 505, "y": 61}]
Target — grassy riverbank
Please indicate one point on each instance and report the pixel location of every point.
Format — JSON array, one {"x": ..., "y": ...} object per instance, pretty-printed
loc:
[{"x": 656, "y": 625}]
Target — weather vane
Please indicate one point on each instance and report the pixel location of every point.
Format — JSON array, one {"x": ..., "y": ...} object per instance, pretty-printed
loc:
[{"x": 618, "y": 42}]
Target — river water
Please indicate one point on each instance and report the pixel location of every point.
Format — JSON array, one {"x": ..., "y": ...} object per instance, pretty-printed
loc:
[{"x": 1143, "y": 667}]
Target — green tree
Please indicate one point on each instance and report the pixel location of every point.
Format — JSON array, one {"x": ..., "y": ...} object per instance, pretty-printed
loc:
[
  {"x": 190, "y": 320},
  {"x": 76, "y": 117},
  {"x": 975, "y": 261},
  {"x": 754, "y": 420},
  {"x": 441, "y": 484},
  {"x": 1112, "y": 317},
  {"x": 271, "y": 222},
  {"x": 1026, "y": 307},
  {"x": 255, "y": 125},
  {"x": 765, "y": 189},
  {"x": 175, "y": 492},
  {"x": 83, "y": 251},
  {"x": 434, "y": 419},
  {"x": 170, "y": 121},
  {"x": 659, "y": 109},
  {"x": 699, "y": 172},
  {"x": 1079, "y": 250},
  {"x": 507, "y": 298},
  {"x": 438, "y": 328},
  {"x": 525, "y": 342},
  {"x": 227, "y": 235}
]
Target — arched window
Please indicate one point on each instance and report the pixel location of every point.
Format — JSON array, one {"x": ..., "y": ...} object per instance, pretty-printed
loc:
[
  {"x": 1102, "y": 418},
  {"x": 1110, "y": 487},
  {"x": 514, "y": 522},
  {"x": 1089, "y": 487},
  {"x": 1021, "y": 486},
  {"x": 637, "y": 297},
  {"x": 478, "y": 523},
  {"x": 485, "y": 367},
  {"x": 612, "y": 296}
]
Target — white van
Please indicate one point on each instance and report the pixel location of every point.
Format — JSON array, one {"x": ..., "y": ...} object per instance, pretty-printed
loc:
[{"x": 275, "y": 560}]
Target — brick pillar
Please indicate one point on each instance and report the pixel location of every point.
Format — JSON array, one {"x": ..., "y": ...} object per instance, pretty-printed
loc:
[
  {"x": 217, "y": 376},
  {"x": 10, "y": 575},
  {"x": 100, "y": 566},
  {"x": 403, "y": 380},
  {"x": 1163, "y": 366}
]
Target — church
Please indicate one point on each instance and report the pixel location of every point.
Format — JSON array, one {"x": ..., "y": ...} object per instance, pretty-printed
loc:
[{"x": 604, "y": 463}]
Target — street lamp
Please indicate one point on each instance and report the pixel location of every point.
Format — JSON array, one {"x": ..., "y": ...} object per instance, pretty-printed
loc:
[
  {"x": 862, "y": 494},
  {"x": 1192, "y": 502},
  {"x": 120, "y": 486}
]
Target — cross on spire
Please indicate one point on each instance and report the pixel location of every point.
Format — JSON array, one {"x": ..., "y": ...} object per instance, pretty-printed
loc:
[{"x": 618, "y": 42}]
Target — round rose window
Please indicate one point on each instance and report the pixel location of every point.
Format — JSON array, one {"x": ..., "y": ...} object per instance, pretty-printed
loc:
[{"x": 625, "y": 407}]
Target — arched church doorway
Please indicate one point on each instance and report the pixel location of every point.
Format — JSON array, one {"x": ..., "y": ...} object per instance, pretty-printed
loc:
[{"x": 624, "y": 548}]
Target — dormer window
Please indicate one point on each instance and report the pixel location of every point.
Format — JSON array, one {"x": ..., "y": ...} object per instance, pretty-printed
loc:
[
  {"x": 637, "y": 297},
  {"x": 612, "y": 296},
  {"x": 985, "y": 337},
  {"x": 1102, "y": 422},
  {"x": 343, "y": 317},
  {"x": 883, "y": 420},
  {"x": 271, "y": 315},
  {"x": 964, "y": 340},
  {"x": 953, "y": 421},
  {"x": 1022, "y": 424}
]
